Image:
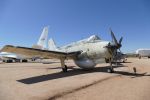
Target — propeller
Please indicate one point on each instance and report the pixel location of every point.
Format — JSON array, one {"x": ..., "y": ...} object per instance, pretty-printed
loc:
[
  {"x": 113, "y": 48},
  {"x": 120, "y": 40},
  {"x": 114, "y": 45}
]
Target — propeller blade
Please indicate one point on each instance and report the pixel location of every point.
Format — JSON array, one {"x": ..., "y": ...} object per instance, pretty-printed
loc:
[
  {"x": 113, "y": 37},
  {"x": 120, "y": 40}
]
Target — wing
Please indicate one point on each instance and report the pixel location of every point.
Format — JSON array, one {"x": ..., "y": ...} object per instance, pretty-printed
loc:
[{"x": 31, "y": 52}]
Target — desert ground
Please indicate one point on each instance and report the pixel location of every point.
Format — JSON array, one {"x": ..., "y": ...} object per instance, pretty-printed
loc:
[{"x": 38, "y": 81}]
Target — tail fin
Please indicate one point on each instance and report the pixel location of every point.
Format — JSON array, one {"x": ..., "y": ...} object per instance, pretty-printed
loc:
[
  {"x": 52, "y": 45},
  {"x": 43, "y": 38}
]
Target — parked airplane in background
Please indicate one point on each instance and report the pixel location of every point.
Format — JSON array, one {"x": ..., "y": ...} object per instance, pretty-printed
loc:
[
  {"x": 143, "y": 53},
  {"x": 85, "y": 53},
  {"x": 11, "y": 57},
  {"x": 15, "y": 57},
  {"x": 120, "y": 57}
]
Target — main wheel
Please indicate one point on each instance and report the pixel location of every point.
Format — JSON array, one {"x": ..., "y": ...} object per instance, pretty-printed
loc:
[
  {"x": 9, "y": 61},
  {"x": 24, "y": 60},
  {"x": 110, "y": 70},
  {"x": 64, "y": 69}
]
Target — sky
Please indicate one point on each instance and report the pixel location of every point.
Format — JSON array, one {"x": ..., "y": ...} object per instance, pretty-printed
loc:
[{"x": 22, "y": 21}]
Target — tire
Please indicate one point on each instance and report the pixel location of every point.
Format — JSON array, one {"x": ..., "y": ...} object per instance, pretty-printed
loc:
[
  {"x": 106, "y": 60},
  {"x": 65, "y": 69},
  {"x": 24, "y": 60},
  {"x": 9, "y": 61},
  {"x": 110, "y": 70}
]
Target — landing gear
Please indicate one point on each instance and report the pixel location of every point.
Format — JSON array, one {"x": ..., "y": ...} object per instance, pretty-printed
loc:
[
  {"x": 24, "y": 60},
  {"x": 110, "y": 69},
  {"x": 64, "y": 69},
  {"x": 8, "y": 61}
]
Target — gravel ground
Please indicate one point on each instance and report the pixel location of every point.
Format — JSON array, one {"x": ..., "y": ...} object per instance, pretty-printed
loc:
[{"x": 37, "y": 81}]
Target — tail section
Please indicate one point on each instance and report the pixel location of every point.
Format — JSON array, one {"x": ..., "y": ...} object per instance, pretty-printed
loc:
[
  {"x": 42, "y": 42},
  {"x": 43, "y": 38},
  {"x": 52, "y": 45}
]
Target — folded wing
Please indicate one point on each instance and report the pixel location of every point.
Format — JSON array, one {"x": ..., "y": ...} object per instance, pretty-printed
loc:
[{"x": 31, "y": 52}]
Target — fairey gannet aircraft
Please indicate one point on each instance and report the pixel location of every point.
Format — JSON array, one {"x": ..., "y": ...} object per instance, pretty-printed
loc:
[{"x": 85, "y": 53}]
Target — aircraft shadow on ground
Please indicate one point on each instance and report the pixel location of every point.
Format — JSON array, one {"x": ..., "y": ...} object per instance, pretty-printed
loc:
[
  {"x": 126, "y": 62},
  {"x": 49, "y": 62},
  {"x": 74, "y": 72},
  {"x": 122, "y": 62},
  {"x": 70, "y": 67},
  {"x": 119, "y": 65},
  {"x": 134, "y": 75}
]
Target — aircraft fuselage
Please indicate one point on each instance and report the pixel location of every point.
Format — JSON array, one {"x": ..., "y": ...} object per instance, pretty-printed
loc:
[{"x": 92, "y": 53}]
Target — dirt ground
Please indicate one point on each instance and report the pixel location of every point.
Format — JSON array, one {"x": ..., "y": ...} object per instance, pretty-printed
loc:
[{"x": 37, "y": 81}]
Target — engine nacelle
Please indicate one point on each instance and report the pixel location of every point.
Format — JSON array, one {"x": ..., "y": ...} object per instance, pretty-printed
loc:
[{"x": 85, "y": 63}]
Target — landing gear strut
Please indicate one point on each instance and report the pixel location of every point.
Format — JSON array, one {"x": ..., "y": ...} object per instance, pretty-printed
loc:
[
  {"x": 110, "y": 69},
  {"x": 64, "y": 67}
]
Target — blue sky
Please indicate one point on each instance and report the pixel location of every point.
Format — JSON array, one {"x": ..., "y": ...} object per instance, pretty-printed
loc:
[{"x": 21, "y": 21}]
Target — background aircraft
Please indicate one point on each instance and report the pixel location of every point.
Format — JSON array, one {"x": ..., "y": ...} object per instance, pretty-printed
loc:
[
  {"x": 85, "y": 53},
  {"x": 143, "y": 53},
  {"x": 120, "y": 57},
  {"x": 15, "y": 57},
  {"x": 11, "y": 57}
]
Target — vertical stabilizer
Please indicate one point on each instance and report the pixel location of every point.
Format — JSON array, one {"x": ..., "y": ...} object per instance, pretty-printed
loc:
[
  {"x": 52, "y": 45},
  {"x": 43, "y": 38}
]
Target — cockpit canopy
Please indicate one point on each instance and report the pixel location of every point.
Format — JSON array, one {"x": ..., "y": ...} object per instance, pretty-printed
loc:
[{"x": 93, "y": 37}]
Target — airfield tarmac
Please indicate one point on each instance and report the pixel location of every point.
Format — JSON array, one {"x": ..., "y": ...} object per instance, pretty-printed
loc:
[{"x": 37, "y": 81}]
